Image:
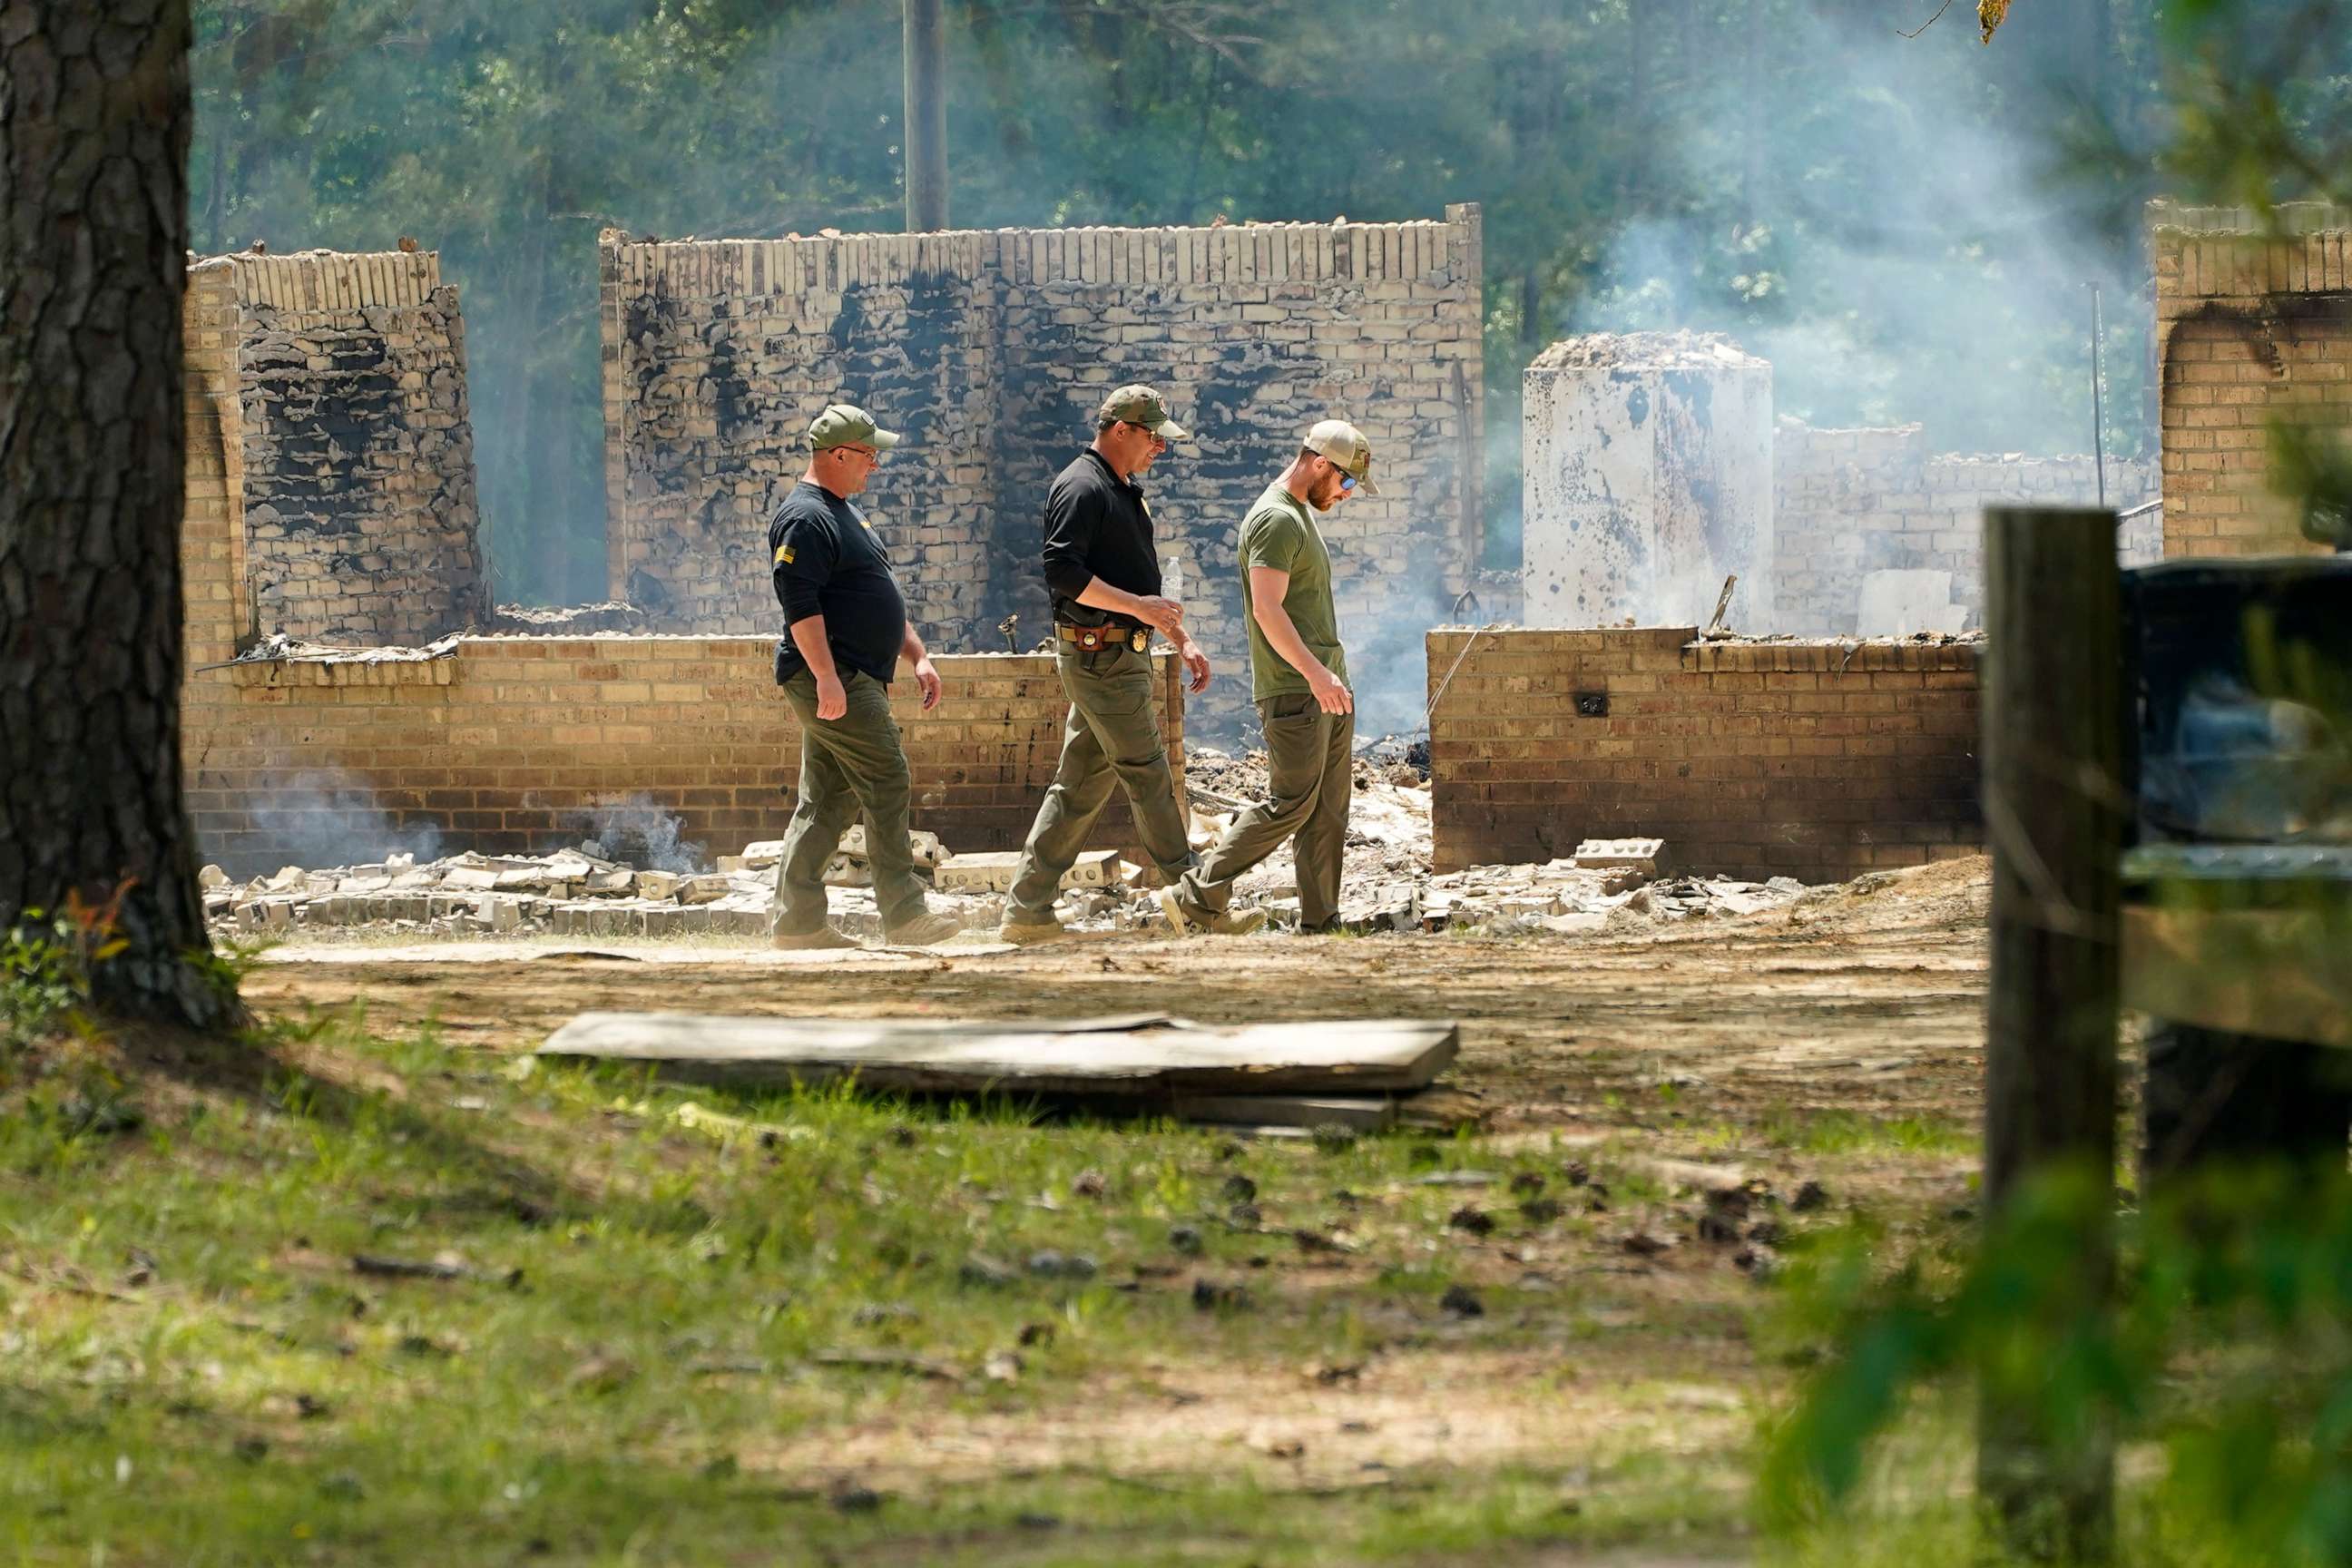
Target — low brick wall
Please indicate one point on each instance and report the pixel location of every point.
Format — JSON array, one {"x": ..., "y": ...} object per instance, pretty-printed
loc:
[
  {"x": 518, "y": 744},
  {"x": 1814, "y": 760}
]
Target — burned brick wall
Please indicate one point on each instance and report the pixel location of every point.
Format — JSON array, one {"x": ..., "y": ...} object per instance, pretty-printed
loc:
[
  {"x": 992, "y": 350},
  {"x": 716, "y": 358},
  {"x": 356, "y": 461},
  {"x": 2253, "y": 326}
]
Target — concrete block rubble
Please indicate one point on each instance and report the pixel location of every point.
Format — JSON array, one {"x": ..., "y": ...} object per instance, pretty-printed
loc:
[{"x": 1608, "y": 885}]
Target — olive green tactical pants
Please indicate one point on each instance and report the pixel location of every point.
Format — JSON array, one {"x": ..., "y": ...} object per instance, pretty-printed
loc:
[
  {"x": 1112, "y": 735},
  {"x": 848, "y": 765},
  {"x": 1311, "y": 756}
]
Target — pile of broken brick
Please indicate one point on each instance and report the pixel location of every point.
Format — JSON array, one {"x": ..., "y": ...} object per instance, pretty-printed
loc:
[{"x": 1607, "y": 886}]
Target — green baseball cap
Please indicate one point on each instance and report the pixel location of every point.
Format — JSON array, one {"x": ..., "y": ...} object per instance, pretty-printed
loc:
[
  {"x": 845, "y": 424},
  {"x": 1345, "y": 445},
  {"x": 1141, "y": 405}
]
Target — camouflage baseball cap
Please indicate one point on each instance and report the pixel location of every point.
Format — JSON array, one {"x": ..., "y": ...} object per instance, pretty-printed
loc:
[
  {"x": 1345, "y": 445},
  {"x": 845, "y": 424},
  {"x": 1141, "y": 405}
]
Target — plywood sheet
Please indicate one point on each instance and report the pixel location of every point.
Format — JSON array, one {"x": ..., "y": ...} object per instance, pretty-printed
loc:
[{"x": 1350, "y": 1056}]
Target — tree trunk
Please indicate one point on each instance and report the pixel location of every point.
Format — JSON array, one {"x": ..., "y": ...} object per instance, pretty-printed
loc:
[
  {"x": 925, "y": 30},
  {"x": 94, "y": 115}
]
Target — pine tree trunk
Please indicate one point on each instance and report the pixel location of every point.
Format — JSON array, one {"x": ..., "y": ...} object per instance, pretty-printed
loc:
[{"x": 94, "y": 114}]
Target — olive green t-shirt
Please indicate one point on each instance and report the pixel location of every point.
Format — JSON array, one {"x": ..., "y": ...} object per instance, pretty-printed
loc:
[{"x": 1280, "y": 534}]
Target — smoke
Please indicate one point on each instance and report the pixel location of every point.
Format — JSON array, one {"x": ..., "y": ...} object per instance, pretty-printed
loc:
[
  {"x": 639, "y": 833},
  {"x": 1920, "y": 247},
  {"x": 1387, "y": 666},
  {"x": 326, "y": 817}
]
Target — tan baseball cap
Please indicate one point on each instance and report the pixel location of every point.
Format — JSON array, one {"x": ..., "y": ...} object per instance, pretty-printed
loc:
[
  {"x": 845, "y": 424},
  {"x": 1345, "y": 446},
  {"x": 1141, "y": 405}
]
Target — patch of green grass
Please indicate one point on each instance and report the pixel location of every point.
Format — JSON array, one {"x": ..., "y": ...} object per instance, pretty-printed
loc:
[
  {"x": 640, "y": 1357},
  {"x": 1846, "y": 1132}
]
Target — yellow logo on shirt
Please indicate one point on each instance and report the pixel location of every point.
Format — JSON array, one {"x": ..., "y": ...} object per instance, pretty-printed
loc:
[{"x": 784, "y": 554}]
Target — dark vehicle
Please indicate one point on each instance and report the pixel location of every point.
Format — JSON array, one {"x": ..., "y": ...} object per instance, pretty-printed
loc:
[{"x": 2238, "y": 888}]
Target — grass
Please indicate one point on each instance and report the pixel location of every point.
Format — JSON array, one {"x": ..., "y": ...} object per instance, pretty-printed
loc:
[
  {"x": 634, "y": 1368},
  {"x": 1845, "y": 1133}
]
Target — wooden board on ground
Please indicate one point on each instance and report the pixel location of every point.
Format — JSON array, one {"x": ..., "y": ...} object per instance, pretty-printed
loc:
[
  {"x": 1343, "y": 1057},
  {"x": 1357, "y": 1114}
]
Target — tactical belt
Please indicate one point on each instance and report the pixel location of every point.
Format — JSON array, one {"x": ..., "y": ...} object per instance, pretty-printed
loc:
[{"x": 1092, "y": 640}]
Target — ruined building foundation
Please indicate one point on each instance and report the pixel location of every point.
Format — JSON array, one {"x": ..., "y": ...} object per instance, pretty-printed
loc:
[{"x": 330, "y": 497}]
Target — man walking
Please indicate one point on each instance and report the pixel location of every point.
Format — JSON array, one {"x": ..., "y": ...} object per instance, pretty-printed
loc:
[
  {"x": 846, "y": 630},
  {"x": 1299, "y": 678},
  {"x": 1104, "y": 575}
]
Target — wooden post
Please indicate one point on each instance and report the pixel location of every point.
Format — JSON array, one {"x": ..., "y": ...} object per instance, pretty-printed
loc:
[
  {"x": 2054, "y": 799},
  {"x": 927, "y": 117}
]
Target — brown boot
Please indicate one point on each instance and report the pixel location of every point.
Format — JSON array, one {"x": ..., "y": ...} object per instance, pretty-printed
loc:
[
  {"x": 922, "y": 930},
  {"x": 1032, "y": 933},
  {"x": 823, "y": 938}
]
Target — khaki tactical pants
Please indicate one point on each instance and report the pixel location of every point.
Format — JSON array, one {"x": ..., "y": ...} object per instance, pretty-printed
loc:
[
  {"x": 1112, "y": 735},
  {"x": 848, "y": 765},
  {"x": 1311, "y": 755}
]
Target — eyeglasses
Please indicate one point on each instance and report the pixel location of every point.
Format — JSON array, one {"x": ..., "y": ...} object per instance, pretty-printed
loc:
[
  {"x": 1157, "y": 438},
  {"x": 869, "y": 453}
]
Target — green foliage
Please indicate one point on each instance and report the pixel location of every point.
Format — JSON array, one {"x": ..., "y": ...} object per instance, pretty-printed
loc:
[
  {"x": 39, "y": 984},
  {"x": 2312, "y": 466},
  {"x": 2229, "y": 1350},
  {"x": 46, "y": 965}
]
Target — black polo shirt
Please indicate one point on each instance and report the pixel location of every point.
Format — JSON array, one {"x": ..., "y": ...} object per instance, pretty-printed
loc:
[
  {"x": 1097, "y": 525},
  {"x": 827, "y": 560}
]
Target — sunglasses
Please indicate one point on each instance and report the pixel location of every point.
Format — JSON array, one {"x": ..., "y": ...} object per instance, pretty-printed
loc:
[{"x": 1157, "y": 438}]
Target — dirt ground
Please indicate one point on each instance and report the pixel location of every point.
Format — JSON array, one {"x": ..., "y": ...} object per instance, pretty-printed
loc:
[{"x": 1864, "y": 1000}]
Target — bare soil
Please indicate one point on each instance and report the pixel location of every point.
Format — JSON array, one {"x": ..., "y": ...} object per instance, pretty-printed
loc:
[{"x": 1864, "y": 1000}]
